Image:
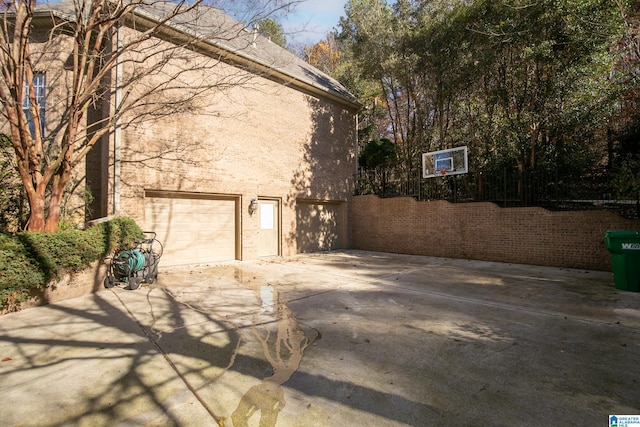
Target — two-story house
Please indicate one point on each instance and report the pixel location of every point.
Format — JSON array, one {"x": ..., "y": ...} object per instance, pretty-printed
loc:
[{"x": 257, "y": 159}]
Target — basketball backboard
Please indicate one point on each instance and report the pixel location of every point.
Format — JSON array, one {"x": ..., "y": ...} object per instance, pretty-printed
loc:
[{"x": 452, "y": 161}]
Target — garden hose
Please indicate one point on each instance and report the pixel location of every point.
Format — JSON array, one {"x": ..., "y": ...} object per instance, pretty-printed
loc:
[{"x": 130, "y": 262}]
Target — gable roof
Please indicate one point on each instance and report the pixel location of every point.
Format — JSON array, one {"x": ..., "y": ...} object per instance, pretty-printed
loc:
[{"x": 217, "y": 32}]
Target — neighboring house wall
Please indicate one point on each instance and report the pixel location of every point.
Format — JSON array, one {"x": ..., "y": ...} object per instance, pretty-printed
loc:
[{"x": 484, "y": 231}]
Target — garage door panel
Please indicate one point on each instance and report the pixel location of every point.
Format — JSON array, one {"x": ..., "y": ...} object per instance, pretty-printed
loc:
[{"x": 193, "y": 231}]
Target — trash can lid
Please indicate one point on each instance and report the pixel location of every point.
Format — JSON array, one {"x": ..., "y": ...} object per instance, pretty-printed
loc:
[{"x": 621, "y": 233}]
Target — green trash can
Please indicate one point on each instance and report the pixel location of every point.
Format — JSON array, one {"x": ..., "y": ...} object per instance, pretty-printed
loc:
[{"x": 624, "y": 247}]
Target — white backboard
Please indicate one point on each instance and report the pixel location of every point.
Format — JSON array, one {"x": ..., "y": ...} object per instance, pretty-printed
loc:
[{"x": 452, "y": 161}]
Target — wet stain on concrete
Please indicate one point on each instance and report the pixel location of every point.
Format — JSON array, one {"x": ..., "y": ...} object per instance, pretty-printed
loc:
[{"x": 283, "y": 344}]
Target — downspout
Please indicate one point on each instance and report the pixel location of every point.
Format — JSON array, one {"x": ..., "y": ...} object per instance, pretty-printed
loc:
[
  {"x": 117, "y": 135},
  {"x": 357, "y": 185}
]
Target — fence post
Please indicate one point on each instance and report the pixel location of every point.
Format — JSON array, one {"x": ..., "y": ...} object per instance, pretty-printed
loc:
[
  {"x": 455, "y": 189},
  {"x": 556, "y": 188},
  {"x": 504, "y": 183}
]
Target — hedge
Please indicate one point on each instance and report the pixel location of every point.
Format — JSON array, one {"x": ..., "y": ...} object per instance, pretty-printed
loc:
[{"x": 29, "y": 261}]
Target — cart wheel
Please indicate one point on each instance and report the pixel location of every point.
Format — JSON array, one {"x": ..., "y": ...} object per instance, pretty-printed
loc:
[
  {"x": 152, "y": 273},
  {"x": 134, "y": 283},
  {"x": 109, "y": 282}
]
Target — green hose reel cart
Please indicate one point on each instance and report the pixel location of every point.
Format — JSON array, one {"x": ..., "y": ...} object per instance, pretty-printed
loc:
[{"x": 133, "y": 266}]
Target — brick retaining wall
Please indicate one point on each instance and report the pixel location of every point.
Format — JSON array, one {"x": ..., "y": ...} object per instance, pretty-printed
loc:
[
  {"x": 484, "y": 231},
  {"x": 85, "y": 282}
]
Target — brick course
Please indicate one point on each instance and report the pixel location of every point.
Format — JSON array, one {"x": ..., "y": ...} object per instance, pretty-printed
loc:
[
  {"x": 69, "y": 285},
  {"x": 484, "y": 231}
]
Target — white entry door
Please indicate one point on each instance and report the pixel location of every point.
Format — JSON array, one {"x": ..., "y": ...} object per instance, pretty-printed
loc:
[{"x": 269, "y": 238}]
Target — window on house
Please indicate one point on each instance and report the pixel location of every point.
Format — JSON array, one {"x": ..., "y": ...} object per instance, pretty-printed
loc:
[{"x": 39, "y": 84}]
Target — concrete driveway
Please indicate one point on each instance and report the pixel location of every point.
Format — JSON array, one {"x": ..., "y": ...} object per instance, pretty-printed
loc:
[{"x": 341, "y": 339}]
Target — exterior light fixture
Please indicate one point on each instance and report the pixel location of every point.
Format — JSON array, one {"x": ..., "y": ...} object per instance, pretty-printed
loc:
[{"x": 253, "y": 206}]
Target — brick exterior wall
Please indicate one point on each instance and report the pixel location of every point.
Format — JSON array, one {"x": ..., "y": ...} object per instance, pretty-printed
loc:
[
  {"x": 484, "y": 231},
  {"x": 240, "y": 134},
  {"x": 69, "y": 285},
  {"x": 250, "y": 137}
]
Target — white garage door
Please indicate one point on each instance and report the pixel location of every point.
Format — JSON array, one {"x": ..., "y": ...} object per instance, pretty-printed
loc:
[
  {"x": 319, "y": 226},
  {"x": 192, "y": 230}
]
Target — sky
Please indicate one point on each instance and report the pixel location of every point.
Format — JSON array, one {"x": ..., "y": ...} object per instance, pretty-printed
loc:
[{"x": 311, "y": 20}]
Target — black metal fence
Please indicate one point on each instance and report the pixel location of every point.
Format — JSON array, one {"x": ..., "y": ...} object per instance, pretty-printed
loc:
[{"x": 508, "y": 188}]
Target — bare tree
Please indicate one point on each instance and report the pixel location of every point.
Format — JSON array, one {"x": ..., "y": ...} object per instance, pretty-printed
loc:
[{"x": 92, "y": 42}]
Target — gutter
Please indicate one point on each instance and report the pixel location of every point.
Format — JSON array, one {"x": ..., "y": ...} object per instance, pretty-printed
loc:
[{"x": 117, "y": 133}]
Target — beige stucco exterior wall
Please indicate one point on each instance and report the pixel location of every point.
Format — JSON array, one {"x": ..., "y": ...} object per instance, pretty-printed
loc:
[{"x": 247, "y": 136}]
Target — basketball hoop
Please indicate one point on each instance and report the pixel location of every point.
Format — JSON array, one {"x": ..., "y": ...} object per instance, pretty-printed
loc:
[{"x": 452, "y": 161}]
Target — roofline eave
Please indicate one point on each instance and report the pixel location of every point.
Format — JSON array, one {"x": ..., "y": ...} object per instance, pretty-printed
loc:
[
  {"x": 238, "y": 56},
  {"x": 228, "y": 53}
]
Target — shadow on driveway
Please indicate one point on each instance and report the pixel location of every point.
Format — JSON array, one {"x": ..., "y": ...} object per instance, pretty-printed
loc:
[{"x": 343, "y": 338}]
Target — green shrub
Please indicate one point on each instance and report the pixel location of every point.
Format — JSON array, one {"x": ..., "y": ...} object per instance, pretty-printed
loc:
[
  {"x": 29, "y": 261},
  {"x": 120, "y": 234},
  {"x": 19, "y": 271}
]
